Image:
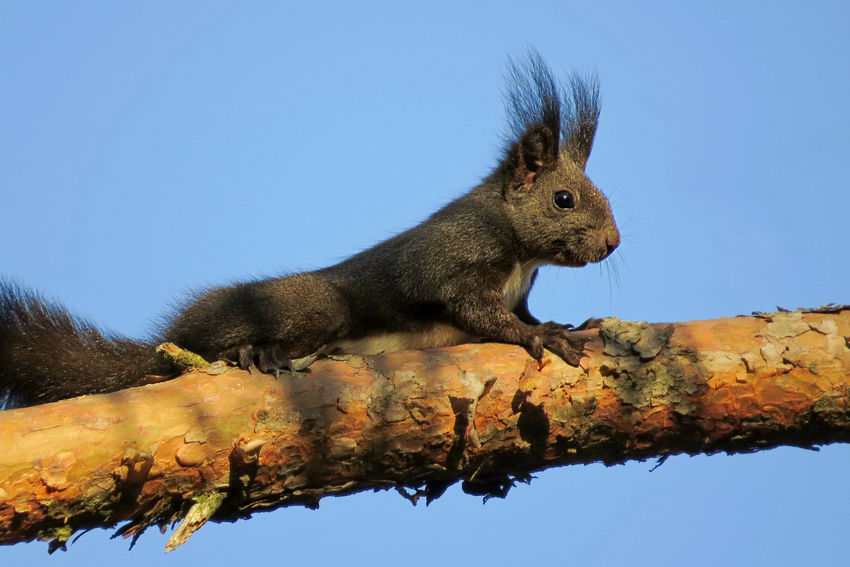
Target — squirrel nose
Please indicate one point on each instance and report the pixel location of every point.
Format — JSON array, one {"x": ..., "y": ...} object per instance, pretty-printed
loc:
[{"x": 611, "y": 242}]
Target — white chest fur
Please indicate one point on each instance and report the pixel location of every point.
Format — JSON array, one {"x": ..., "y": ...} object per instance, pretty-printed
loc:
[{"x": 518, "y": 283}]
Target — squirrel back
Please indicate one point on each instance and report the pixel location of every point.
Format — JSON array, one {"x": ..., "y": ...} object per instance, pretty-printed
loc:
[{"x": 462, "y": 275}]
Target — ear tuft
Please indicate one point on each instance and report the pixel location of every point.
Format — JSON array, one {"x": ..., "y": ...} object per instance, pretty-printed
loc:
[
  {"x": 547, "y": 120},
  {"x": 580, "y": 118},
  {"x": 534, "y": 117}
]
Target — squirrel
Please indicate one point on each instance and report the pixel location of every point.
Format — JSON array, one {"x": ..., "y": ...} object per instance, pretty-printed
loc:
[{"x": 462, "y": 275}]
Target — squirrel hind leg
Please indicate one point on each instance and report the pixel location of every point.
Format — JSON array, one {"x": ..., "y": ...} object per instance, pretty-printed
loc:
[{"x": 270, "y": 358}]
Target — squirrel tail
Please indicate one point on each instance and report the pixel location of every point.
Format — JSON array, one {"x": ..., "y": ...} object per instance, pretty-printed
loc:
[{"x": 46, "y": 354}]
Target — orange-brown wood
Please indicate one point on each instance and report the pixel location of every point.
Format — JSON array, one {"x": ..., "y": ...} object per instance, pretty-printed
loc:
[{"x": 418, "y": 421}]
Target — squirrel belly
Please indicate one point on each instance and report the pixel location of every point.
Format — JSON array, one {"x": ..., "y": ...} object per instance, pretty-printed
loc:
[
  {"x": 464, "y": 274},
  {"x": 436, "y": 336}
]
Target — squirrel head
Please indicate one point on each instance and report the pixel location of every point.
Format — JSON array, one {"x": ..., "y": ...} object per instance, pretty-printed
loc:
[{"x": 558, "y": 214}]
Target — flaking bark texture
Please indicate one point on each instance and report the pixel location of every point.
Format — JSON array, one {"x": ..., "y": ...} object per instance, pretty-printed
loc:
[{"x": 223, "y": 443}]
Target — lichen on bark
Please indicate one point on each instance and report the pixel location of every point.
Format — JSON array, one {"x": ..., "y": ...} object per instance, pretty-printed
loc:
[{"x": 486, "y": 415}]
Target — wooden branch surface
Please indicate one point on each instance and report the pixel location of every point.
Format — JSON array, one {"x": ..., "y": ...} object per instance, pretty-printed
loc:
[{"x": 419, "y": 421}]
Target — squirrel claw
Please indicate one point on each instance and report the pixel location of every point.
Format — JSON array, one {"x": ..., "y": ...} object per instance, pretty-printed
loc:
[
  {"x": 267, "y": 358},
  {"x": 560, "y": 340},
  {"x": 592, "y": 323},
  {"x": 270, "y": 359},
  {"x": 299, "y": 364}
]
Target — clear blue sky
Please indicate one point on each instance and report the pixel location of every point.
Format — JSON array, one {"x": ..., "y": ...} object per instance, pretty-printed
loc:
[{"x": 151, "y": 148}]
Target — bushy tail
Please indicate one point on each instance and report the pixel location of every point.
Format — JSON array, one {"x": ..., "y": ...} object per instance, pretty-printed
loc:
[{"x": 47, "y": 355}]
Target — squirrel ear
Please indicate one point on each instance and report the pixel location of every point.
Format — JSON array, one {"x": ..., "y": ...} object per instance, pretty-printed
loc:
[{"x": 535, "y": 150}]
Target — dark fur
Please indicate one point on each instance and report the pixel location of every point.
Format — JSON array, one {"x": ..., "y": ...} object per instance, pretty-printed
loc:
[
  {"x": 46, "y": 354},
  {"x": 448, "y": 280}
]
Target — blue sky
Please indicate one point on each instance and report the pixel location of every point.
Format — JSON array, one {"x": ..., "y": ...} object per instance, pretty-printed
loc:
[{"x": 150, "y": 148}]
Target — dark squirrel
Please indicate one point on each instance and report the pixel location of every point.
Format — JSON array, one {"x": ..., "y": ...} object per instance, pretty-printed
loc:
[{"x": 462, "y": 275}]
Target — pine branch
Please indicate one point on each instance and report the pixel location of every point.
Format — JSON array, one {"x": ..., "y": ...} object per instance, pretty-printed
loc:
[{"x": 220, "y": 443}]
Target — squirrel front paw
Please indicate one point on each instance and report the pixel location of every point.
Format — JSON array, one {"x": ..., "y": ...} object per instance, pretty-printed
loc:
[{"x": 558, "y": 339}]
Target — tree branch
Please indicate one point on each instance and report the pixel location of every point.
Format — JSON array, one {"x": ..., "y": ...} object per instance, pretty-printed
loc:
[{"x": 223, "y": 443}]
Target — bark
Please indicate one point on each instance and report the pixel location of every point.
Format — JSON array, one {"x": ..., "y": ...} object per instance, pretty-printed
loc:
[{"x": 220, "y": 443}]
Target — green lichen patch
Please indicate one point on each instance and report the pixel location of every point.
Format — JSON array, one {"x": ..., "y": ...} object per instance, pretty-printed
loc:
[
  {"x": 655, "y": 383},
  {"x": 580, "y": 407},
  {"x": 652, "y": 340},
  {"x": 181, "y": 358},
  {"x": 624, "y": 338},
  {"x": 57, "y": 537},
  {"x": 620, "y": 336}
]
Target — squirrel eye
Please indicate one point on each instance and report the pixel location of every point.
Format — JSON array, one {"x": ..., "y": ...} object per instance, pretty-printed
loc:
[{"x": 564, "y": 200}]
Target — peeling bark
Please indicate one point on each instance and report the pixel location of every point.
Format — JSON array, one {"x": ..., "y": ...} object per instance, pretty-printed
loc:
[{"x": 221, "y": 443}]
